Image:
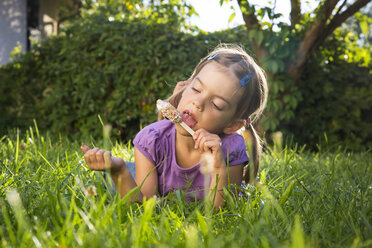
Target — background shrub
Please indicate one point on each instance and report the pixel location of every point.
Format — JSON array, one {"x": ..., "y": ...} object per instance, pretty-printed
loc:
[
  {"x": 118, "y": 68},
  {"x": 113, "y": 69},
  {"x": 337, "y": 100}
]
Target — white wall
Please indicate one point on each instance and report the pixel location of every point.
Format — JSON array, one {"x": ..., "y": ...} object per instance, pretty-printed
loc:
[{"x": 12, "y": 27}]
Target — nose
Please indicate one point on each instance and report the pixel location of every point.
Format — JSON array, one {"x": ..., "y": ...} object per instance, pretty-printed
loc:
[{"x": 199, "y": 102}]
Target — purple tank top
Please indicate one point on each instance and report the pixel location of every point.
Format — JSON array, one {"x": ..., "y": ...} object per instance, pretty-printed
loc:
[{"x": 157, "y": 142}]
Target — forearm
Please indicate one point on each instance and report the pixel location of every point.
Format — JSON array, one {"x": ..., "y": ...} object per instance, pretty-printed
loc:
[
  {"x": 218, "y": 182},
  {"x": 124, "y": 182}
]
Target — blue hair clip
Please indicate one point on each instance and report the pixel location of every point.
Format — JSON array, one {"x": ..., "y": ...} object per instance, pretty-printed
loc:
[
  {"x": 212, "y": 56},
  {"x": 245, "y": 80}
]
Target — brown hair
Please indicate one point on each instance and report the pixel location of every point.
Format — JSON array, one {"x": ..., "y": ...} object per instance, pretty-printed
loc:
[{"x": 253, "y": 100}]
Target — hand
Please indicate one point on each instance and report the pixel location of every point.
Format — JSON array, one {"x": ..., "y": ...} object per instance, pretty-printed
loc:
[
  {"x": 101, "y": 160},
  {"x": 180, "y": 85},
  {"x": 212, "y": 163},
  {"x": 210, "y": 143}
]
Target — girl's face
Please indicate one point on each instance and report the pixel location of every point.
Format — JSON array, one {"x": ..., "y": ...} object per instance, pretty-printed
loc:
[{"x": 211, "y": 99}]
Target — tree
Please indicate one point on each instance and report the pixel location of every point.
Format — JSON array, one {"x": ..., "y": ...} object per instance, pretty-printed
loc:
[
  {"x": 284, "y": 48},
  {"x": 312, "y": 32}
]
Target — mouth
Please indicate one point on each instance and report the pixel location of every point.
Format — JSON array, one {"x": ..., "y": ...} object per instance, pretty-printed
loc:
[{"x": 189, "y": 118}]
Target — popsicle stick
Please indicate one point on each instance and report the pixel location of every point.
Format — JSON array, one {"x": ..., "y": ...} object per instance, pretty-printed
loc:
[
  {"x": 187, "y": 128},
  {"x": 171, "y": 113}
]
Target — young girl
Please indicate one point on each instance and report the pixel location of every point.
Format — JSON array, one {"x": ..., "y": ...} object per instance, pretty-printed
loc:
[{"x": 226, "y": 89}]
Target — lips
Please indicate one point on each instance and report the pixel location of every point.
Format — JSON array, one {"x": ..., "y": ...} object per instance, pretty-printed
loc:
[{"x": 188, "y": 118}]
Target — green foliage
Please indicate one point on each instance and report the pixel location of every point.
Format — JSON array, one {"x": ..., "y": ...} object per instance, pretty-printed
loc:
[
  {"x": 105, "y": 64},
  {"x": 284, "y": 95},
  {"x": 332, "y": 98},
  {"x": 113, "y": 67},
  {"x": 117, "y": 59},
  {"x": 337, "y": 99},
  {"x": 48, "y": 198},
  {"x": 301, "y": 108}
]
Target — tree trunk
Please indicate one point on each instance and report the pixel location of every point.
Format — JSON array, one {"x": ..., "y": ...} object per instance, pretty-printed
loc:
[
  {"x": 295, "y": 12},
  {"x": 323, "y": 26},
  {"x": 319, "y": 31}
]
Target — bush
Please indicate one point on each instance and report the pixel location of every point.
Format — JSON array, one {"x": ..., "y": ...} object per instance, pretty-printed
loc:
[
  {"x": 337, "y": 100},
  {"x": 337, "y": 96},
  {"x": 115, "y": 69}
]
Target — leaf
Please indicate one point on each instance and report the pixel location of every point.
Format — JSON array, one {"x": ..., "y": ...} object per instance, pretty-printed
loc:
[
  {"x": 293, "y": 102},
  {"x": 298, "y": 240},
  {"x": 274, "y": 87},
  {"x": 202, "y": 223},
  {"x": 265, "y": 124},
  {"x": 364, "y": 26},
  {"x": 221, "y": 2},
  {"x": 231, "y": 17},
  {"x": 281, "y": 65},
  {"x": 252, "y": 34},
  {"x": 273, "y": 47},
  {"x": 273, "y": 66},
  {"x": 259, "y": 37},
  {"x": 287, "y": 98},
  {"x": 287, "y": 193}
]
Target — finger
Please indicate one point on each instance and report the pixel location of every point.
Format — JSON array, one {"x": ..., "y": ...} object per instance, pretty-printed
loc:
[
  {"x": 210, "y": 145},
  {"x": 206, "y": 146},
  {"x": 86, "y": 158},
  {"x": 198, "y": 135},
  {"x": 195, "y": 137},
  {"x": 99, "y": 156},
  {"x": 202, "y": 141},
  {"x": 179, "y": 86},
  {"x": 108, "y": 159},
  {"x": 92, "y": 150},
  {"x": 185, "y": 83},
  {"x": 198, "y": 141},
  {"x": 84, "y": 148},
  {"x": 92, "y": 154}
]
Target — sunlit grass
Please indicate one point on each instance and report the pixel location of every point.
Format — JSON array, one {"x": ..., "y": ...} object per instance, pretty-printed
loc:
[{"x": 304, "y": 199}]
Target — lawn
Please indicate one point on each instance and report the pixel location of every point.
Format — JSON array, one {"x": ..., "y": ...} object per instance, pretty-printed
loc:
[{"x": 48, "y": 198}]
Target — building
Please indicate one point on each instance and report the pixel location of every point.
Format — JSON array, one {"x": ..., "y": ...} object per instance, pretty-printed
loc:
[{"x": 23, "y": 22}]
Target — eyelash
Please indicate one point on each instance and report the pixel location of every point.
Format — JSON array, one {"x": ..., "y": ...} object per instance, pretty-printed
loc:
[
  {"x": 194, "y": 89},
  {"x": 214, "y": 105}
]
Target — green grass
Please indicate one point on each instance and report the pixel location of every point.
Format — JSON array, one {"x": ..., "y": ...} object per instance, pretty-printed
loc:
[{"x": 305, "y": 199}]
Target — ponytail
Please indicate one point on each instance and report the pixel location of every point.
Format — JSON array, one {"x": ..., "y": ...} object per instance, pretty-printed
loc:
[{"x": 254, "y": 149}]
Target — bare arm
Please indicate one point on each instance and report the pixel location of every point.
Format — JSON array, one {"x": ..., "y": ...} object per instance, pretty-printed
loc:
[
  {"x": 235, "y": 176},
  {"x": 211, "y": 144},
  {"x": 100, "y": 160},
  {"x": 146, "y": 174}
]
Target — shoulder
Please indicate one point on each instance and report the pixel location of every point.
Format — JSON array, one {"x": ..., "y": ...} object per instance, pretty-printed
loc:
[
  {"x": 155, "y": 130},
  {"x": 233, "y": 141},
  {"x": 153, "y": 139},
  {"x": 233, "y": 145}
]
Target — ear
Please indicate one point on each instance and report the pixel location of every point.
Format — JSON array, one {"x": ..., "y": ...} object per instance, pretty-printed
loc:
[{"x": 233, "y": 127}]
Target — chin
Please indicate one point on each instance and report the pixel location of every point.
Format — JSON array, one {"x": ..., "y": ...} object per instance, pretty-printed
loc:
[{"x": 182, "y": 131}]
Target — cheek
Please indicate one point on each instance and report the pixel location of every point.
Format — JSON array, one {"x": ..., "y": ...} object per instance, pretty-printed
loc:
[
  {"x": 220, "y": 119},
  {"x": 225, "y": 118}
]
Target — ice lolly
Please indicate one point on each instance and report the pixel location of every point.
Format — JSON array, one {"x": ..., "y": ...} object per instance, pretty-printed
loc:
[{"x": 171, "y": 113}]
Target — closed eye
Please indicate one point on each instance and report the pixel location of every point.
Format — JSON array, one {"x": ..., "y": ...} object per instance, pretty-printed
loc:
[
  {"x": 196, "y": 90},
  {"x": 215, "y": 106}
]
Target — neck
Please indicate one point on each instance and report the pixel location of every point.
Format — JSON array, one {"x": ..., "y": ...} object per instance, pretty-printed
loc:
[
  {"x": 184, "y": 142},
  {"x": 186, "y": 155}
]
